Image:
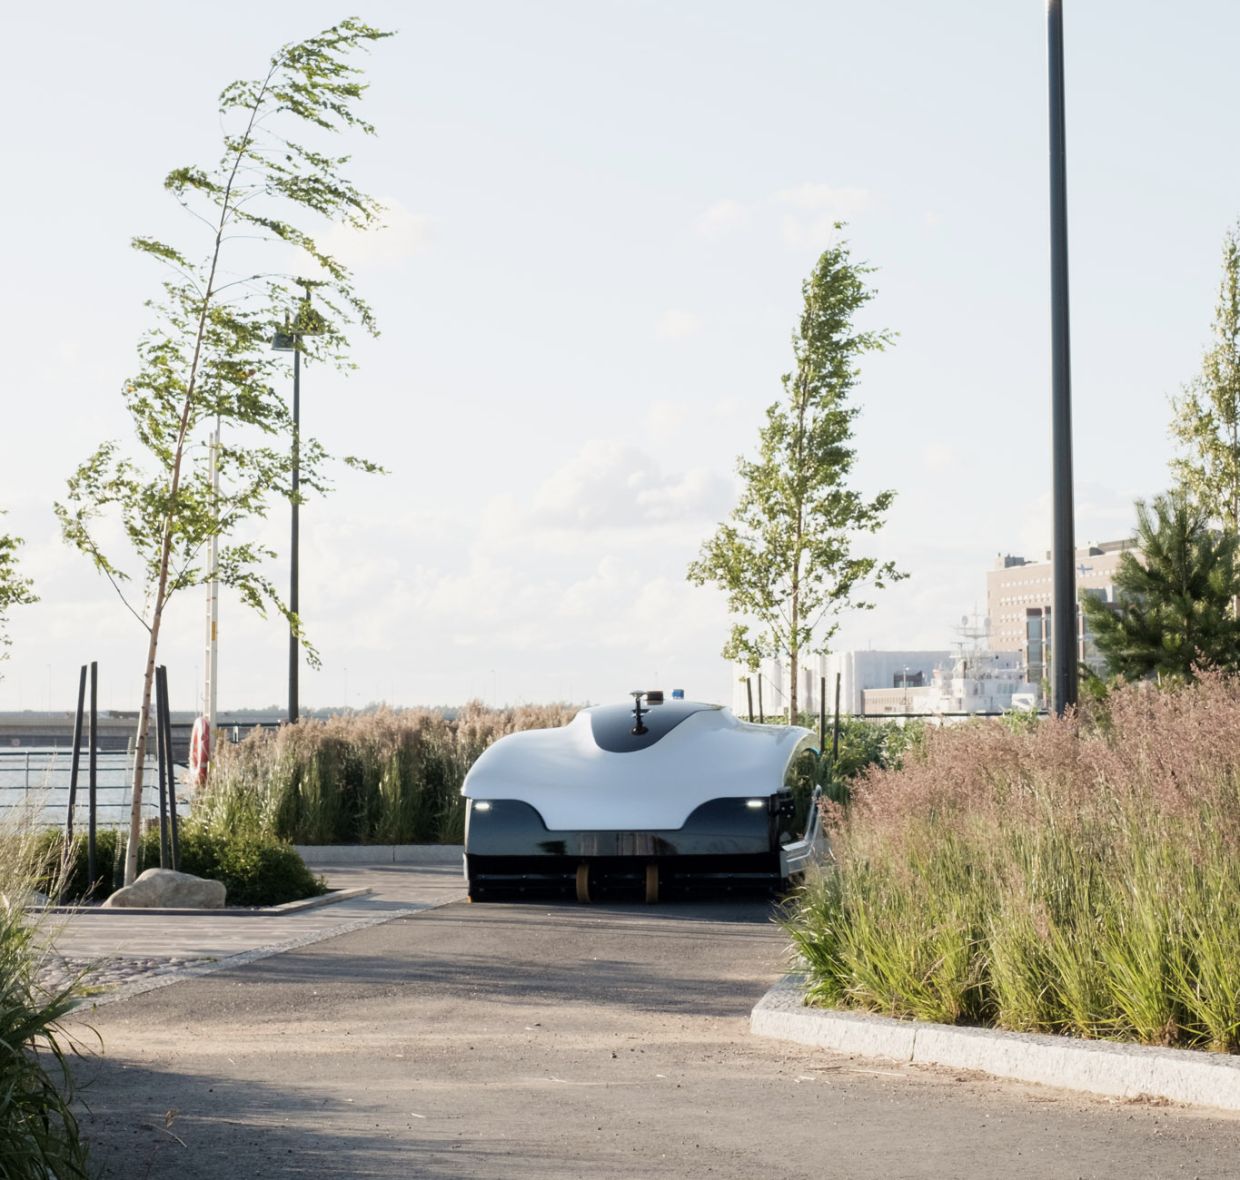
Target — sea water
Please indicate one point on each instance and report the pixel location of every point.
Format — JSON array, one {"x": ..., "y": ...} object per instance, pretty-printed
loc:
[{"x": 36, "y": 780}]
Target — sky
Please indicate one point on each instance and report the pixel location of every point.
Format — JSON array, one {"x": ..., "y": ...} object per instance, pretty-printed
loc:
[{"x": 599, "y": 219}]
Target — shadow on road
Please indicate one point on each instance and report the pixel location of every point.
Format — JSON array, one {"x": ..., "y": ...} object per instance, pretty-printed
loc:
[
  {"x": 226, "y": 1127},
  {"x": 652, "y": 959}
]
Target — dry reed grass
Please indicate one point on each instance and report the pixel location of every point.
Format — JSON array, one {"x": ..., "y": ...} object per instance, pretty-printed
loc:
[
  {"x": 1082, "y": 876},
  {"x": 389, "y": 777}
]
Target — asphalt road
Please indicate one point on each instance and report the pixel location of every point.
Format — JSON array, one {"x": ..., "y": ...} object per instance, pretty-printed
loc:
[{"x": 563, "y": 1041}]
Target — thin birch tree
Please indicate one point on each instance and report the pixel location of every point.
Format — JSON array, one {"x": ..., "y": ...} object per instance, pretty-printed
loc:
[
  {"x": 15, "y": 588},
  {"x": 786, "y": 558},
  {"x": 257, "y": 266},
  {"x": 1206, "y": 420}
]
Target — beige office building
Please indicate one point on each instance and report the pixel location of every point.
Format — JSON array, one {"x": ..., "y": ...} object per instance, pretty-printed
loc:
[{"x": 1018, "y": 601}]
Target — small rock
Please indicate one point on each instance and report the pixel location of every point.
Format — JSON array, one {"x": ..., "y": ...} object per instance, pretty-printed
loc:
[{"x": 166, "y": 889}]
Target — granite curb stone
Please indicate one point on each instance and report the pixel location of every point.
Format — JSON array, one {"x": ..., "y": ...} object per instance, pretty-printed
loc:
[
  {"x": 316, "y": 855},
  {"x": 273, "y": 911},
  {"x": 1097, "y": 1067}
]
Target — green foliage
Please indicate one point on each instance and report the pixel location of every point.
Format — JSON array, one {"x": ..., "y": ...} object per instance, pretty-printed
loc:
[
  {"x": 15, "y": 590},
  {"x": 785, "y": 558},
  {"x": 1175, "y": 604},
  {"x": 1207, "y": 414},
  {"x": 207, "y": 359},
  {"x": 64, "y": 872},
  {"x": 865, "y": 745},
  {"x": 256, "y": 867},
  {"x": 1071, "y": 879}
]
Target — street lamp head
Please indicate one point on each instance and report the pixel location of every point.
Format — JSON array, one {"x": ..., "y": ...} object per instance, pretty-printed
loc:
[{"x": 284, "y": 342}]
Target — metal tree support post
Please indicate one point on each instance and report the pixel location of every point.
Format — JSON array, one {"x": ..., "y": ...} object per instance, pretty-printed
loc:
[
  {"x": 749, "y": 696},
  {"x": 835, "y": 737},
  {"x": 161, "y": 761},
  {"x": 822, "y": 714},
  {"x": 76, "y": 760},
  {"x": 92, "y": 776},
  {"x": 173, "y": 835},
  {"x": 1063, "y": 617}
]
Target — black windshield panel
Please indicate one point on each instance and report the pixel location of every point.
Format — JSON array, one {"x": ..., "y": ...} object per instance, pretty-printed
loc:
[{"x": 613, "y": 724}]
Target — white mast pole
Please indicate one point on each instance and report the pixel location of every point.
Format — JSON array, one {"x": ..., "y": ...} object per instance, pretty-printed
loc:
[{"x": 210, "y": 694}]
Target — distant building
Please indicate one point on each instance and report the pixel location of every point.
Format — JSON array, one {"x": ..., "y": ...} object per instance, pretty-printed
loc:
[
  {"x": 975, "y": 681},
  {"x": 859, "y": 671},
  {"x": 1018, "y": 600}
]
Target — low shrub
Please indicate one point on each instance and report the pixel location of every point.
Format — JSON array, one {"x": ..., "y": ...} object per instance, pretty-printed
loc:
[
  {"x": 1074, "y": 877},
  {"x": 67, "y": 876},
  {"x": 256, "y": 869}
]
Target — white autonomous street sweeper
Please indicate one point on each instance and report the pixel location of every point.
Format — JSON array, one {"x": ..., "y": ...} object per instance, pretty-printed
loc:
[{"x": 651, "y": 799}]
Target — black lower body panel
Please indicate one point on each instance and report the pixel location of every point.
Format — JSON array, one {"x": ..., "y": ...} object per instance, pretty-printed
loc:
[{"x": 724, "y": 847}]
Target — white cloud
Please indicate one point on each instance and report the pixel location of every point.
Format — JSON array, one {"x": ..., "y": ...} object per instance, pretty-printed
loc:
[
  {"x": 665, "y": 418},
  {"x": 404, "y": 234},
  {"x": 807, "y": 213},
  {"x": 824, "y": 198},
  {"x": 812, "y": 211},
  {"x": 609, "y": 485},
  {"x": 938, "y": 457},
  {"x": 722, "y": 218},
  {"x": 676, "y": 324}
]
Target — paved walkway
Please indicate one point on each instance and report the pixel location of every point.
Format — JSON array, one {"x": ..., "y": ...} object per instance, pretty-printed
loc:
[
  {"x": 555, "y": 1042},
  {"x": 127, "y": 951}
]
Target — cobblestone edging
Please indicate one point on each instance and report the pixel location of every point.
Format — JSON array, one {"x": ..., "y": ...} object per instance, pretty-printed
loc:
[
  {"x": 58, "y": 971},
  {"x": 1097, "y": 1067}
]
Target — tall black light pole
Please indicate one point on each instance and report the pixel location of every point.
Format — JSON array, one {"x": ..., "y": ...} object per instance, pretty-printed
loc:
[
  {"x": 1063, "y": 552},
  {"x": 290, "y": 341}
]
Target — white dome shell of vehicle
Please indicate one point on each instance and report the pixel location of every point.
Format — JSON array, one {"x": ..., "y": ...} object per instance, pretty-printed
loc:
[{"x": 588, "y": 775}]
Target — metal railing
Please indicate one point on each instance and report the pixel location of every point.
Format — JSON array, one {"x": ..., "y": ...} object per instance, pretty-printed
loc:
[{"x": 36, "y": 780}]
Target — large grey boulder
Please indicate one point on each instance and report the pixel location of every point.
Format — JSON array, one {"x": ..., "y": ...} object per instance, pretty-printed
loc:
[{"x": 165, "y": 889}]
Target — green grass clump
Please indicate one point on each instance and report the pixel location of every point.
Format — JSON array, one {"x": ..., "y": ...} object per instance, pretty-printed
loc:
[
  {"x": 39, "y": 1136},
  {"x": 1077, "y": 877}
]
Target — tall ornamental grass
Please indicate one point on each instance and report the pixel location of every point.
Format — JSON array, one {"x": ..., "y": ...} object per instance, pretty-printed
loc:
[
  {"x": 1081, "y": 876},
  {"x": 39, "y": 1134},
  {"x": 390, "y": 777}
]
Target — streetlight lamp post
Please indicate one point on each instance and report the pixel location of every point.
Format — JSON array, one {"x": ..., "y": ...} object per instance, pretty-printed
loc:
[
  {"x": 290, "y": 341},
  {"x": 1063, "y": 615}
]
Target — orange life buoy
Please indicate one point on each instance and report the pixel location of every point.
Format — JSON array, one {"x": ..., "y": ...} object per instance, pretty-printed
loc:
[{"x": 199, "y": 751}]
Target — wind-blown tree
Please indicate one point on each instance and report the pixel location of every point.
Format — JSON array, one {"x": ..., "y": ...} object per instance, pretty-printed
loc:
[
  {"x": 785, "y": 558},
  {"x": 1173, "y": 604},
  {"x": 15, "y": 589},
  {"x": 207, "y": 360},
  {"x": 1207, "y": 415}
]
